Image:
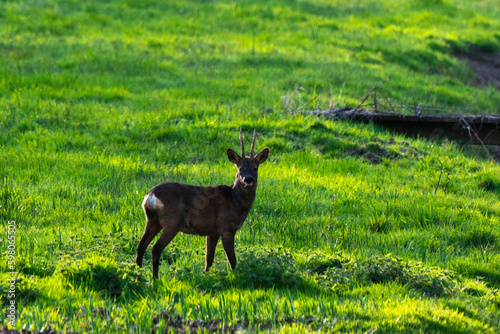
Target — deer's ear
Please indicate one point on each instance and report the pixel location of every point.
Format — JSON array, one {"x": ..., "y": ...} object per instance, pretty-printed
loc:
[
  {"x": 262, "y": 156},
  {"x": 233, "y": 156}
]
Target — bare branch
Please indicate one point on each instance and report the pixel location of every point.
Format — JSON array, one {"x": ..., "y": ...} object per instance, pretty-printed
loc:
[{"x": 472, "y": 132}]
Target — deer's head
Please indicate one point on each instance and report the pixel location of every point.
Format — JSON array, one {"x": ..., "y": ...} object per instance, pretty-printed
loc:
[{"x": 248, "y": 166}]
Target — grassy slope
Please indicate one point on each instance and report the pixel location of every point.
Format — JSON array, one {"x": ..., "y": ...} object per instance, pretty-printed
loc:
[{"x": 101, "y": 101}]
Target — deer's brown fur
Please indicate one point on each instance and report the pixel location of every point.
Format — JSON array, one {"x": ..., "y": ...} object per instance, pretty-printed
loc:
[{"x": 215, "y": 212}]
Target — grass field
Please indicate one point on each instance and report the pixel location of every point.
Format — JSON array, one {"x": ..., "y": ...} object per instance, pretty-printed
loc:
[{"x": 102, "y": 100}]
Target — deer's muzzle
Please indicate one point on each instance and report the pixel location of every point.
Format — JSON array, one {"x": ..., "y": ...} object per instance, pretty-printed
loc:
[{"x": 248, "y": 181}]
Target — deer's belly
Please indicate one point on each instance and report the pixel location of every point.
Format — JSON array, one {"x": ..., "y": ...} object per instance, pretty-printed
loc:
[{"x": 199, "y": 229}]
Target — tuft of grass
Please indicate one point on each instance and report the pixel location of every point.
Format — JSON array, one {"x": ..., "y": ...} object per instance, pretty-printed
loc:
[
  {"x": 266, "y": 268},
  {"x": 101, "y": 274},
  {"x": 25, "y": 289},
  {"x": 489, "y": 181},
  {"x": 318, "y": 262},
  {"x": 384, "y": 269}
]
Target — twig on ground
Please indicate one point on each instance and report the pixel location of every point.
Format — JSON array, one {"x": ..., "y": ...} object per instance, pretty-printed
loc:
[
  {"x": 305, "y": 105},
  {"x": 366, "y": 97},
  {"x": 440, "y": 176}
]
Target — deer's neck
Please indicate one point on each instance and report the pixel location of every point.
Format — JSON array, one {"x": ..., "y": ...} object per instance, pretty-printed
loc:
[{"x": 243, "y": 196}]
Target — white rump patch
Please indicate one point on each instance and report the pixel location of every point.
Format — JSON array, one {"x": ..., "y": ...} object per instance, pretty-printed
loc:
[{"x": 152, "y": 202}]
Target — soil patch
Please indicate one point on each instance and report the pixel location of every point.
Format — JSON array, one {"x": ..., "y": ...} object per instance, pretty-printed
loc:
[{"x": 485, "y": 63}]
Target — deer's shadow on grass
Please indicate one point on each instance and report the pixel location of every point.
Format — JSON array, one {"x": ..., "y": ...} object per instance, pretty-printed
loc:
[{"x": 258, "y": 268}]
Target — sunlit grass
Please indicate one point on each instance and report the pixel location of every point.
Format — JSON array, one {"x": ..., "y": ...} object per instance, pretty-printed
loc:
[{"x": 100, "y": 101}]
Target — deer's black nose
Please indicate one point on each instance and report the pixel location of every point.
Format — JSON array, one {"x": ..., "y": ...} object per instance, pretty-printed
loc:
[{"x": 248, "y": 180}]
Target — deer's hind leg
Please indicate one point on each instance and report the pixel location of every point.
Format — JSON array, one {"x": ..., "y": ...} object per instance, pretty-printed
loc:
[
  {"x": 152, "y": 228},
  {"x": 168, "y": 234}
]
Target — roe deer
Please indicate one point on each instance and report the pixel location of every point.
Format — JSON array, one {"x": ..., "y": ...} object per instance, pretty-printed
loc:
[{"x": 214, "y": 212}]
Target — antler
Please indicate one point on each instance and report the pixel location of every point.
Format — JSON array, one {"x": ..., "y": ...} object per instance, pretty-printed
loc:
[
  {"x": 242, "y": 145},
  {"x": 253, "y": 144}
]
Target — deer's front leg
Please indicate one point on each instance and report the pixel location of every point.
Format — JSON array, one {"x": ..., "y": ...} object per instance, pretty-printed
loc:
[
  {"x": 211, "y": 245},
  {"x": 228, "y": 243}
]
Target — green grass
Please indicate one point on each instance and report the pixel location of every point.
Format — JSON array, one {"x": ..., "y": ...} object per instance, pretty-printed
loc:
[{"x": 100, "y": 101}]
